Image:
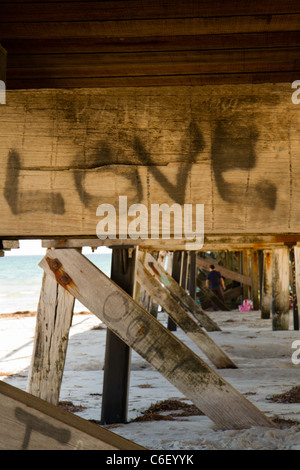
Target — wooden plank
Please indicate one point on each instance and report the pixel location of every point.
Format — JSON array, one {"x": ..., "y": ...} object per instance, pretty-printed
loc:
[
  {"x": 280, "y": 289},
  {"x": 53, "y": 322},
  {"x": 177, "y": 363},
  {"x": 183, "y": 320},
  {"x": 150, "y": 27},
  {"x": 152, "y": 63},
  {"x": 16, "y": 11},
  {"x": 183, "y": 297},
  {"x": 29, "y": 423},
  {"x": 227, "y": 273},
  {"x": 211, "y": 242},
  {"x": 57, "y": 169},
  {"x": 198, "y": 79},
  {"x": 267, "y": 285},
  {"x": 159, "y": 43}
]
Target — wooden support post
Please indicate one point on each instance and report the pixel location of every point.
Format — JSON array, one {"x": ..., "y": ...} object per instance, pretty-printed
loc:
[
  {"x": 280, "y": 288},
  {"x": 28, "y": 423},
  {"x": 183, "y": 320},
  {"x": 117, "y": 352},
  {"x": 193, "y": 274},
  {"x": 185, "y": 270},
  {"x": 246, "y": 259},
  {"x": 177, "y": 275},
  {"x": 296, "y": 285},
  {"x": 53, "y": 321},
  {"x": 207, "y": 389},
  {"x": 254, "y": 279},
  {"x": 266, "y": 293},
  {"x": 180, "y": 294}
]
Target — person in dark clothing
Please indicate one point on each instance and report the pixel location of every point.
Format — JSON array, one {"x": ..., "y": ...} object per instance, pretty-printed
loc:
[{"x": 215, "y": 282}]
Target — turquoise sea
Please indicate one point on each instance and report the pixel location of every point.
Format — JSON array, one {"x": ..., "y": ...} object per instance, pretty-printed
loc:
[{"x": 21, "y": 280}]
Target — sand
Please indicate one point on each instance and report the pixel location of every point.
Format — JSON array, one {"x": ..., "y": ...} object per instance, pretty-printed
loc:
[{"x": 265, "y": 368}]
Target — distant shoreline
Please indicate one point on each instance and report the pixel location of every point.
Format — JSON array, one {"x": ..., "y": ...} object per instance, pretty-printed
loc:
[{"x": 28, "y": 313}]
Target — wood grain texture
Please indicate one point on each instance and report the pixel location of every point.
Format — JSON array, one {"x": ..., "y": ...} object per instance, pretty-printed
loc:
[
  {"x": 232, "y": 148},
  {"x": 53, "y": 322},
  {"x": 141, "y": 331},
  {"x": 168, "y": 43},
  {"x": 280, "y": 288},
  {"x": 70, "y": 10},
  {"x": 266, "y": 299},
  {"x": 29, "y": 423}
]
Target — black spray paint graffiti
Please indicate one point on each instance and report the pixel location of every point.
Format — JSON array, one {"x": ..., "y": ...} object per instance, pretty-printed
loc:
[
  {"x": 99, "y": 161},
  {"x": 40, "y": 426},
  {"x": 192, "y": 144},
  {"x": 236, "y": 150},
  {"x": 233, "y": 147},
  {"x": 28, "y": 201}
]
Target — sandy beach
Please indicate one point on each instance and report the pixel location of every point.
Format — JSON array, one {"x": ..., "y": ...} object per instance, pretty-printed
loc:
[{"x": 264, "y": 369}]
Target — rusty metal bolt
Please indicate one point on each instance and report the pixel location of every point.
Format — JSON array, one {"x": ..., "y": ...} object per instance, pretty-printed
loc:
[
  {"x": 64, "y": 279},
  {"x": 54, "y": 264}
]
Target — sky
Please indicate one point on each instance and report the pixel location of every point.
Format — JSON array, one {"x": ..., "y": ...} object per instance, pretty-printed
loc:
[{"x": 34, "y": 247}]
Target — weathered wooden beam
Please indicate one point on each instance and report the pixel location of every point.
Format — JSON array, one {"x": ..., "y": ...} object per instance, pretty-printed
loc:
[
  {"x": 182, "y": 296},
  {"x": 160, "y": 137},
  {"x": 117, "y": 353},
  {"x": 209, "y": 294},
  {"x": 137, "y": 327},
  {"x": 193, "y": 274},
  {"x": 211, "y": 242},
  {"x": 10, "y": 244},
  {"x": 254, "y": 279},
  {"x": 266, "y": 299},
  {"x": 53, "y": 322},
  {"x": 227, "y": 273},
  {"x": 183, "y": 319},
  {"x": 29, "y": 423},
  {"x": 150, "y": 27},
  {"x": 296, "y": 286},
  {"x": 280, "y": 289},
  {"x": 177, "y": 263},
  {"x": 106, "y": 11}
]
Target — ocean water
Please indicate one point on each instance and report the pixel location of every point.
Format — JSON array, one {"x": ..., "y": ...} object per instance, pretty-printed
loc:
[{"x": 21, "y": 280}]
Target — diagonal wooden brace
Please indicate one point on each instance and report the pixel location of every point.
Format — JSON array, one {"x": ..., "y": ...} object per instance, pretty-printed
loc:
[
  {"x": 213, "y": 395},
  {"x": 182, "y": 296},
  {"x": 183, "y": 320}
]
